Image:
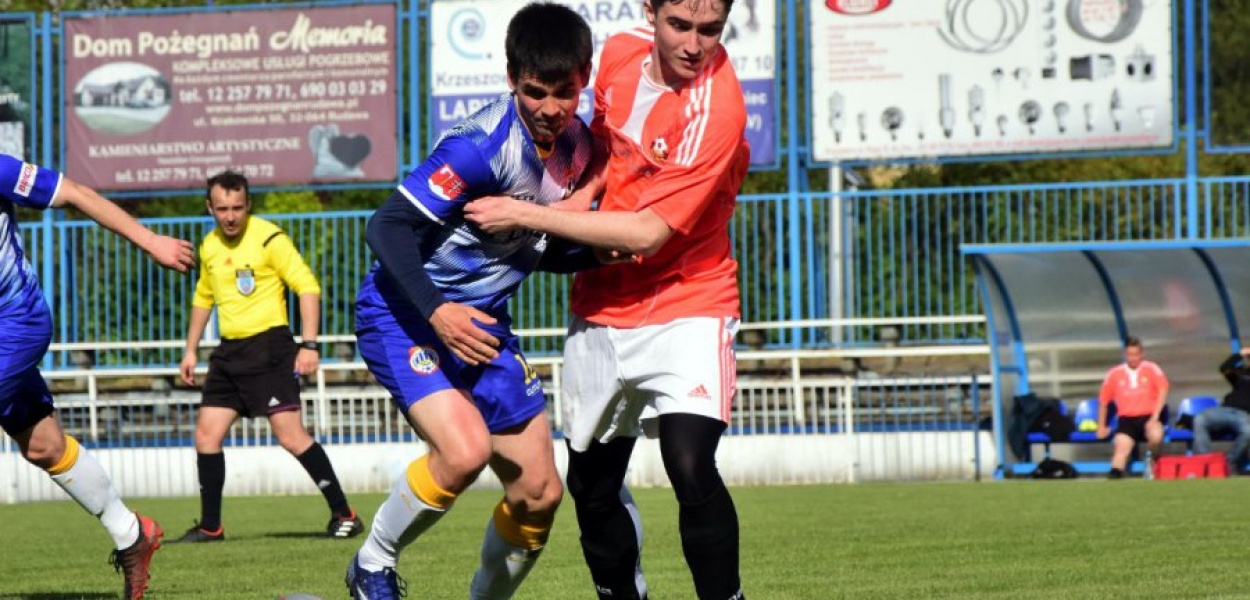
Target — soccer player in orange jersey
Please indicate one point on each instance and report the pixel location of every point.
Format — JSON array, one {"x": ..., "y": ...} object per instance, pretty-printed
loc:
[
  {"x": 650, "y": 348},
  {"x": 1140, "y": 391}
]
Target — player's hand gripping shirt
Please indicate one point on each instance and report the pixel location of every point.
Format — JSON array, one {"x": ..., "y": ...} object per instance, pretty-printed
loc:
[
  {"x": 490, "y": 153},
  {"x": 244, "y": 278},
  {"x": 682, "y": 153},
  {"x": 31, "y": 186}
]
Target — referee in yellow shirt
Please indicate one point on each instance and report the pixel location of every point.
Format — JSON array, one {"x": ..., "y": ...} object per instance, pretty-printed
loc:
[{"x": 245, "y": 265}]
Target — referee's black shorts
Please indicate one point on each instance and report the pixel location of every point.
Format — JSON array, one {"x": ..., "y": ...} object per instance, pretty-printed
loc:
[{"x": 254, "y": 376}]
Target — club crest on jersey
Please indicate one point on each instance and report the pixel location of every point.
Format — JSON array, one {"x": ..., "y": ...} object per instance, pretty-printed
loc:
[
  {"x": 659, "y": 149},
  {"x": 423, "y": 360},
  {"x": 446, "y": 184},
  {"x": 245, "y": 281},
  {"x": 25, "y": 180}
]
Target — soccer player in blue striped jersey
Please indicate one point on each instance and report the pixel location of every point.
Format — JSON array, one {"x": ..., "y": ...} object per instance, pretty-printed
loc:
[
  {"x": 432, "y": 317},
  {"x": 26, "y": 411}
]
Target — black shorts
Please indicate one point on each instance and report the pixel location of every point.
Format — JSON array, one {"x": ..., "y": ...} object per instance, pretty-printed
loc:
[
  {"x": 1134, "y": 427},
  {"x": 254, "y": 376}
]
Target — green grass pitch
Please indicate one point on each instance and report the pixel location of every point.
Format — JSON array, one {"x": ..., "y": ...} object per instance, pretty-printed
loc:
[{"x": 1010, "y": 540}]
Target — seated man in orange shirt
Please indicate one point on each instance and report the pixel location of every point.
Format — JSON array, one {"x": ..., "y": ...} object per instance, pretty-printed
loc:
[{"x": 1140, "y": 390}]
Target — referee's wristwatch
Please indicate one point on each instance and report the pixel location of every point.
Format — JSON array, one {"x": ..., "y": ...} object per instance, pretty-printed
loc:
[{"x": 310, "y": 345}]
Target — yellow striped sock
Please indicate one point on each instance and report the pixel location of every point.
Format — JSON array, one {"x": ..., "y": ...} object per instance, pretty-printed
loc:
[
  {"x": 68, "y": 459},
  {"x": 530, "y": 536},
  {"x": 422, "y": 483}
]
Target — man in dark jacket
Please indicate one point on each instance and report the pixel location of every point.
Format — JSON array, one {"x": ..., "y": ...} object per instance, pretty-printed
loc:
[{"x": 1233, "y": 416}]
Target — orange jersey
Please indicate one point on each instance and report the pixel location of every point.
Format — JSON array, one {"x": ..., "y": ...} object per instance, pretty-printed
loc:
[
  {"x": 1134, "y": 391},
  {"x": 682, "y": 153}
]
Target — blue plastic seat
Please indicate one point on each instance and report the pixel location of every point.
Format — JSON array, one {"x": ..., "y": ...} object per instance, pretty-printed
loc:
[
  {"x": 1087, "y": 410},
  {"x": 1190, "y": 407}
]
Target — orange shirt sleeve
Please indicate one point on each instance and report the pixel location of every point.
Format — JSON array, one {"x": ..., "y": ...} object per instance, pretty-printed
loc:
[
  {"x": 609, "y": 62},
  {"x": 1163, "y": 384},
  {"x": 715, "y": 159},
  {"x": 1107, "y": 393},
  {"x": 601, "y": 105}
]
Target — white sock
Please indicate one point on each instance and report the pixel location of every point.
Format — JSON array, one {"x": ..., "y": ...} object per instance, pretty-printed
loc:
[
  {"x": 88, "y": 484},
  {"x": 504, "y": 566},
  {"x": 399, "y": 521},
  {"x": 640, "y": 582}
]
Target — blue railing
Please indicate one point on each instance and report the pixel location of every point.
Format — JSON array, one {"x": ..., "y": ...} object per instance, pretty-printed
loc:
[
  {"x": 802, "y": 255},
  {"x": 904, "y": 256},
  {"x": 1226, "y": 207},
  {"x": 901, "y": 259}
]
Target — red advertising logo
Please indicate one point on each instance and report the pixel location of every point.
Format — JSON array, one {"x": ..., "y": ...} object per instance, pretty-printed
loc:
[
  {"x": 857, "y": 7},
  {"x": 446, "y": 183},
  {"x": 25, "y": 180}
]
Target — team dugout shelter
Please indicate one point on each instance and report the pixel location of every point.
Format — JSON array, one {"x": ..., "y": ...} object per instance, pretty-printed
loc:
[{"x": 1057, "y": 316}]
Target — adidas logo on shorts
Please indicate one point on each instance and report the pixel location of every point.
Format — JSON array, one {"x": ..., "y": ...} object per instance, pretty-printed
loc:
[{"x": 700, "y": 392}]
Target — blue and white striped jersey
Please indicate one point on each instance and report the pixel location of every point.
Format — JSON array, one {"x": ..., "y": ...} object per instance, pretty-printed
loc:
[
  {"x": 490, "y": 153},
  {"x": 32, "y": 186}
]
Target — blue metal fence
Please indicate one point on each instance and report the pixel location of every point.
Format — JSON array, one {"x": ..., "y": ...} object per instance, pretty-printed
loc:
[
  {"x": 802, "y": 255},
  {"x": 902, "y": 261},
  {"x": 1225, "y": 208},
  {"x": 905, "y": 259}
]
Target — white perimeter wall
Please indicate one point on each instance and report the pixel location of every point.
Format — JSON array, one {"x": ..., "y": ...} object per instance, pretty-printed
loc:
[{"x": 744, "y": 460}]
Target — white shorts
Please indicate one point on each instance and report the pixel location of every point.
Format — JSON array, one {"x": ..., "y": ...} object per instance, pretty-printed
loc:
[{"x": 618, "y": 380}]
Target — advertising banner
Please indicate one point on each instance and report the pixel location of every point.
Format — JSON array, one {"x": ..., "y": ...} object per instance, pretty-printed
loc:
[
  {"x": 467, "y": 63},
  {"x": 16, "y": 75},
  {"x": 932, "y": 78},
  {"x": 285, "y": 96}
]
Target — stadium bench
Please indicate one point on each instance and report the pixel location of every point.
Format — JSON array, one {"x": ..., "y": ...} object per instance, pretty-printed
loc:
[
  {"x": 1087, "y": 412},
  {"x": 1190, "y": 407}
]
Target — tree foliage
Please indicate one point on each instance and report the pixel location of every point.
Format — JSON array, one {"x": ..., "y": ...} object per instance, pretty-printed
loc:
[{"x": 904, "y": 245}]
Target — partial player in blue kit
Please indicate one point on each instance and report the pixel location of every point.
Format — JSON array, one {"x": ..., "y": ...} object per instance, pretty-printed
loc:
[
  {"x": 26, "y": 410},
  {"x": 432, "y": 319}
]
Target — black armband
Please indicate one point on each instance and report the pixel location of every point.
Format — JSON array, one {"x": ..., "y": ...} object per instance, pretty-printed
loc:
[{"x": 564, "y": 256}]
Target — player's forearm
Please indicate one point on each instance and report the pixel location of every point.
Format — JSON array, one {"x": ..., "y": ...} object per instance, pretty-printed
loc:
[
  {"x": 1163, "y": 401},
  {"x": 309, "y": 316},
  {"x": 195, "y": 331},
  {"x": 104, "y": 212},
  {"x": 642, "y": 233},
  {"x": 1102, "y": 415}
]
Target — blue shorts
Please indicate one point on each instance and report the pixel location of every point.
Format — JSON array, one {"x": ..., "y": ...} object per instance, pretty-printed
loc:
[
  {"x": 24, "y": 396},
  {"x": 406, "y": 356}
]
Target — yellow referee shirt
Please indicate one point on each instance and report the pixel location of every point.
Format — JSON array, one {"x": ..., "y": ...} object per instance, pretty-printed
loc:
[{"x": 245, "y": 278}]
